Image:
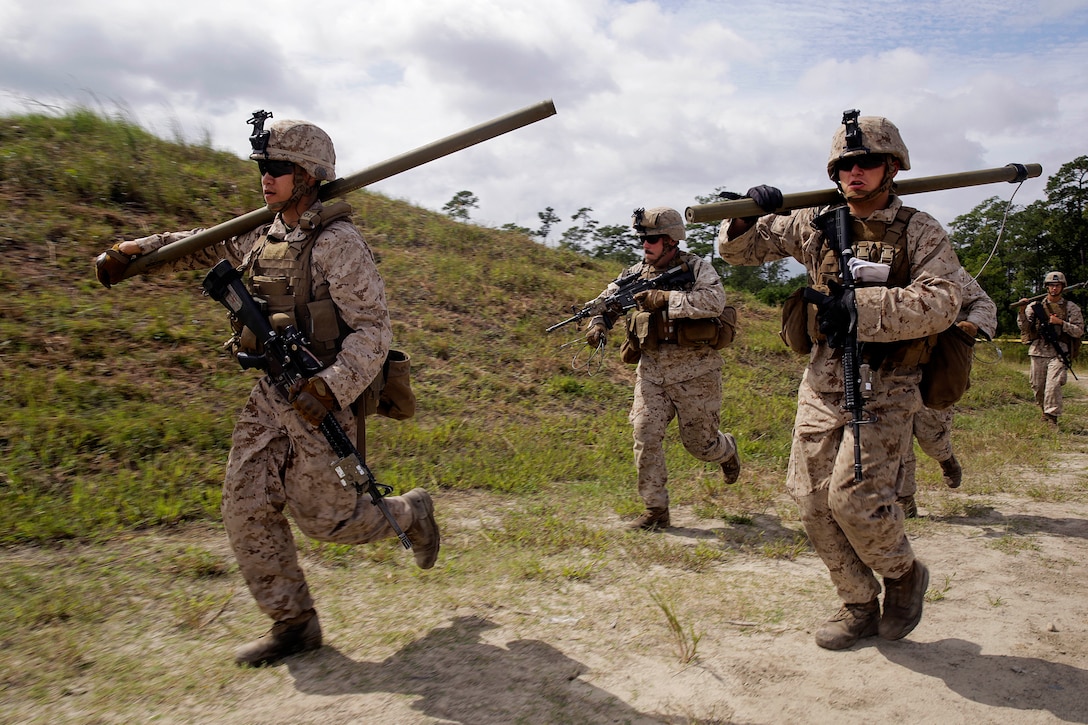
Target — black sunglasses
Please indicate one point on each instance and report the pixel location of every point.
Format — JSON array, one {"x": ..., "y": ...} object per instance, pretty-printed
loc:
[
  {"x": 866, "y": 161},
  {"x": 276, "y": 168},
  {"x": 653, "y": 238}
]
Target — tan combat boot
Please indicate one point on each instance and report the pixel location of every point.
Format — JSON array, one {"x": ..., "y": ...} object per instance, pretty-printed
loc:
[
  {"x": 423, "y": 532},
  {"x": 953, "y": 472},
  {"x": 651, "y": 520},
  {"x": 731, "y": 469},
  {"x": 903, "y": 600},
  {"x": 285, "y": 638},
  {"x": 851, "y": 623},
  {"x": 1051, "y": 421},
  {"x": 909, "y": 506}
]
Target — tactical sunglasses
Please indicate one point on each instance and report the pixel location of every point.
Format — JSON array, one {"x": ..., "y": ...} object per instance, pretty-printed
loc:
[
  {"x": 276, "y": 168},
  {"x": 653, "y": 238},
  {"x": 866, "y": 161}
]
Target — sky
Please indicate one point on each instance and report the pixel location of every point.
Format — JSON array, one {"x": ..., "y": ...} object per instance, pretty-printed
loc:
[{"x": 658, "y": 101}]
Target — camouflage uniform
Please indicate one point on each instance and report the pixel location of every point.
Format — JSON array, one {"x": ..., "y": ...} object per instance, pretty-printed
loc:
[
  {"x": 277, "y": 460},
  {"x": 681, "y": 382},
  {"x": 857, "y": 528},
  {"x": 933, "y": 428},
  {"x": 1048, "y": 373}
]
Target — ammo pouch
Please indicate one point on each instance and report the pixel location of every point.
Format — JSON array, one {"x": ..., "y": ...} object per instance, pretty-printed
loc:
[
  {"x": 390, "y": 394},
  {"x": 643, "y": 333},
  {"x": 713, "y": 332},
  {"x": 1074, "y": 346},
  {"x": 946, "y": 376},
  {"x": 795, "y": 324}
]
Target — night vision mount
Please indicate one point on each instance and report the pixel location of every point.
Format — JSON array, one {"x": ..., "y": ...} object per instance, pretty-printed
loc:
[
  {"x": 259, "y": 138},
  {"x": 854, "y": 140}
]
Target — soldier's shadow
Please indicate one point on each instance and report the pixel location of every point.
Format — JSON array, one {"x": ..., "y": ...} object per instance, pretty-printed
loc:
[
  {"x": 1019, "y": 523},
  {"x": 1020, "y": 683},
  {"x": 761, "y": 530},
  {"x": 456, "y": 677}
]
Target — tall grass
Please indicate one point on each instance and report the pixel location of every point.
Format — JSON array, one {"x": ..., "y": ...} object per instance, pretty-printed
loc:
[{"x": 118, "y": 404}]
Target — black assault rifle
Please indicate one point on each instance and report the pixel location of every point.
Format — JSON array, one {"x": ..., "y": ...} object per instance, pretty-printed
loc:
[
  {"x": 287, "y": 360},
  {"x": 857, "y": 378},
  {"x": 1046, "y": 331},
  {"x": 623, "y": 299}
]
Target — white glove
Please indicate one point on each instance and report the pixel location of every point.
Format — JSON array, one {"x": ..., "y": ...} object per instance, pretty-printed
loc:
[{"x": 869, "y": 271}]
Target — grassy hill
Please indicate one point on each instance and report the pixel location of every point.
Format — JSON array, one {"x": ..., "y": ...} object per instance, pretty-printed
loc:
[{"x": 119, "y": 403}]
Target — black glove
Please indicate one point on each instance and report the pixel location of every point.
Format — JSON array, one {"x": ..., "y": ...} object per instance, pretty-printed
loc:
[
  {"x": 836, "y": 313},
  {"x": 768, "y": 198}
]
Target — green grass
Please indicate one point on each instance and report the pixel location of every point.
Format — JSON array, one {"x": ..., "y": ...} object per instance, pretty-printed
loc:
[{"x": 119, "y": 404}]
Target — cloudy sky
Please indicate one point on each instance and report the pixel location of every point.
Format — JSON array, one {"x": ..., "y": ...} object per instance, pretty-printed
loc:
[{"x": 658, "y": 101}]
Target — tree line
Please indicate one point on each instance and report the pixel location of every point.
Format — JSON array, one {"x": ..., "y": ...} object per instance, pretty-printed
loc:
[
  {"x": 770, "y": 283},
  {"x": 1048, "y": 234}
]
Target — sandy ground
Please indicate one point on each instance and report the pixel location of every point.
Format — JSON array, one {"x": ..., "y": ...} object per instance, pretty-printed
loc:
[
  {"x": 1005, "y": 640},
  {"x": 1004, "y": 637}
]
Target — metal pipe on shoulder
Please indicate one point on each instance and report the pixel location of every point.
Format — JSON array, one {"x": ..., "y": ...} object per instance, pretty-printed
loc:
[
  {"x": 339, "y": 187},
  {"x": 716, "y": 211}
]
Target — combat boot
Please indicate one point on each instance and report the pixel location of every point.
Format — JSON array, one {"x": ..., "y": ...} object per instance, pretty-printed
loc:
[
  {"x": 953, "y": 472},
  {"x": 1051, "y": 421},
  {"x": 909, "y": 506},
  {"x": 285, "y": 638},
  {"x": 731, "y": 468},
  {"x": 423, "y": 531},
  {"x": 651, "y": 520},
  {"x": 851, "y": 623},
  {"x": 903, "y": 600}
]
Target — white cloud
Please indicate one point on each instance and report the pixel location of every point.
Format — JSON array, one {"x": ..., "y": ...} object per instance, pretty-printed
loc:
[{"x": 658, "y": 101}]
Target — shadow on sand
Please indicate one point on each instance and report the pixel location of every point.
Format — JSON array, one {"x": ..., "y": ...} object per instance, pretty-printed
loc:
[
  {"x": 456, "y": 677},
  {"x": 1006, "y": 681}
]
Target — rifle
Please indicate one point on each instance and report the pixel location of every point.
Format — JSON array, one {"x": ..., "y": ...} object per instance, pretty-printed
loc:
[
  {"x": 1046, "y": 330},
  {"x": 857, "y": 379},
  {"x": 623, "y": 299},
  {"x": 1029, "y": 300},
  {"x": 287, "y": 360}
]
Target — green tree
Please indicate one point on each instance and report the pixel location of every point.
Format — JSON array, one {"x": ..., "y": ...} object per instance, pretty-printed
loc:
[
  {"x": 548, "y": 219},
  {"x": 1066, "y": 222},
  {"x": 617, "y": 242},
  {"x": 579, "y": 237},
  {"x": 458, "y": 206},
  {"x": 1046, "y": 235},
  {"x": 511, "y": 227}
]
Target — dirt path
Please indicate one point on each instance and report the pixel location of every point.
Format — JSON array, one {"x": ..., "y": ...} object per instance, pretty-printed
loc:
[
  {"x": 1005, "y": 641},
  {"x": 1004, "y": 638}
]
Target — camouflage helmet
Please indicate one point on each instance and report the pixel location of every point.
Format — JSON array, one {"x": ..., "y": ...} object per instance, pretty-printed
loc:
[
  {"x": 658, "y": 220},
  {"x": 1054, "y": 277},
  {"x": 302, "y": 143},
  {"x": 878, "y": 136}
]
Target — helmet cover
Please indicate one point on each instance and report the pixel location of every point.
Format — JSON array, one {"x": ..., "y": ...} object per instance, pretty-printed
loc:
[
  {"x": 659, "y": 220},
  {"x": 301, "y": 143}
]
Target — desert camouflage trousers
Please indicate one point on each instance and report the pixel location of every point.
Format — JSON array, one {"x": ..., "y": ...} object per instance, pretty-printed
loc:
[
  {"x": 933, "y": 431},
  {"x": 696, "y": 404},
  {"x": 855, "y": 527},
  {"x": 1048, "y": 375},
  {"x": 278, "y": 461}
]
